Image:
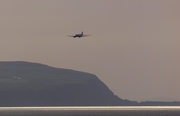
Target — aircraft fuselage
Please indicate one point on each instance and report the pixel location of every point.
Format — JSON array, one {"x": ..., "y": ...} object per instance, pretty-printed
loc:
[{"x": 78, "y": 35}]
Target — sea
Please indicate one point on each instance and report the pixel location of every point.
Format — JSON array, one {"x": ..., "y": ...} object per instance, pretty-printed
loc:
[{"x": 92, "y": 111}]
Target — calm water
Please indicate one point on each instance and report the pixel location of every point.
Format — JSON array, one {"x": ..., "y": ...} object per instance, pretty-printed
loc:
[{"x": 91, "y": 111}]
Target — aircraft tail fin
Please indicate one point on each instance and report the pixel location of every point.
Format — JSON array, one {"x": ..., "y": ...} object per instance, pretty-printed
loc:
[{"x": 82, "y": 33}]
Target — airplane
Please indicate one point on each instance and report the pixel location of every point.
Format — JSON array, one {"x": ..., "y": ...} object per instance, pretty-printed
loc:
[{"x": 79, "y": 35}]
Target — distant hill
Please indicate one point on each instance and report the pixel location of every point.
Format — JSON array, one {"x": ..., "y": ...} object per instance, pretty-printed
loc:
[{"x": 33, "y": 84}]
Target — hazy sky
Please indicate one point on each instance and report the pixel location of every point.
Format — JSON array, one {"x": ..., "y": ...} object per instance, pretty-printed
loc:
[{"x": 134, "y": 47}]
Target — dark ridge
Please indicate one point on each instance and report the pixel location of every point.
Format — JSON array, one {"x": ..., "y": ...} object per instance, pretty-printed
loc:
[{"x": 33, "y": 84}]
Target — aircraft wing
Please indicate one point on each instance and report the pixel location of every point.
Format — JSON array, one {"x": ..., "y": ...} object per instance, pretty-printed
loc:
[
  {"x": 85, "y": 35},
  {"x": 70, "y": 35}
]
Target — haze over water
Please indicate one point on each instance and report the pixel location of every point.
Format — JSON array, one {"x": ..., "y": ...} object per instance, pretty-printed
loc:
[{"x": 91, "y": 111}]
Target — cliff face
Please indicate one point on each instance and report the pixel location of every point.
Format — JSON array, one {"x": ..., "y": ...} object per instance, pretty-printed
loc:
[{"x": 33, "y": 84}]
